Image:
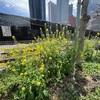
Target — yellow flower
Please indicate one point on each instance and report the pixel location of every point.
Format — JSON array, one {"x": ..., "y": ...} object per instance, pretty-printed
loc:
[
  {"x": 57, "y": 51},
  {"x": 7, "y": 62},
  {"x": 18, "y": 57},
  {"x": 33, "y": 81},
  {"x": 23, "y": 45},
  {"x": 38, "y": 83},
  {"x": 24, "y": 61},
  {"x": 50, "y": 58},
  {"x": 8, "y": 66},
  {"x": 24, "y": 57},
  {"x": 16, "y": 51},
  {"x": 53, "y": 40},
  {"x": 23, "y": 88},
  {"x": 45, "y": 53},
  {"x": 42, "y": 75},
  {"x": 48, "y": 50},
  {"x": 13, "y": 37},
  {"x": 25, "y": 73},
  {"x": 37, "y": 58},
  {"x": 98, "y": 33},
  {"x": 21, "y": 74},
  {"x": 1, "y": 64},
  {"x": 48, "y": 71},
  {"x": 42, "y": 65},
  {"x": 46, "y": 29},
  {"x": 72, "y": 34},
  {"x": 56, "y": 30},
  {"x": 41, "y": 68},
  {"x": 30, "y": 64},
  {"x": 13, "y": 69},
  {"x": 64, "y": 40}
]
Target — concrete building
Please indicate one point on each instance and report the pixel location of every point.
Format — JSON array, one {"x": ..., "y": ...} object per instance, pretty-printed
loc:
[
  {"x": 63, "y": 11},
  {"x": 52, "y": 11},
  {"x": 37, "y": 9}
]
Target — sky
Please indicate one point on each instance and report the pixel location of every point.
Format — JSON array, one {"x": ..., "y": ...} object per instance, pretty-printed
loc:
[{"x": 21, "y": 7}]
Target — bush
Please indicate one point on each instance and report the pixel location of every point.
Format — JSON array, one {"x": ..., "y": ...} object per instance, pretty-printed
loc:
[{"x": 38, "y": 65}]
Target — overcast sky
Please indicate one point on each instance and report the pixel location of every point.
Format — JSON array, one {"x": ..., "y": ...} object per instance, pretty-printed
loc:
[{"x": 21, "y": 7}]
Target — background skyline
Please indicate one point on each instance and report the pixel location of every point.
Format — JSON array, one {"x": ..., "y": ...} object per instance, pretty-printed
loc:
[{"x": 21, "y": 7}]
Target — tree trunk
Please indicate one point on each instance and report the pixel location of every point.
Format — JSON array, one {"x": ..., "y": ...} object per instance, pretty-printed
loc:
[{"x": 83, "y": 22}]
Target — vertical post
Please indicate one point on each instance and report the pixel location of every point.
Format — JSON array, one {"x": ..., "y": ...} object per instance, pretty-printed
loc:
[{"x": 78, "y": 19}]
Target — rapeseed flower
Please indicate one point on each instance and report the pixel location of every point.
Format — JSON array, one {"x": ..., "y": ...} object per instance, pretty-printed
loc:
[
  {"x": 25, "y": 73},
  {"x": 13, "y": 69},
  {"x": 24, "y": 61},
  {"x": 42, "y": 75},
  {"x": 21, "y": 74},
  {"x": 50, "y": 58},
  {"x": 13, "y": 37},
  {"x": 38, "y": 83},
  {"x": 33, "y": 81},
  {"x": 8, "y": 66},
  {"x": 41, "y": 68},
  {"x": 23, "y": 88}
]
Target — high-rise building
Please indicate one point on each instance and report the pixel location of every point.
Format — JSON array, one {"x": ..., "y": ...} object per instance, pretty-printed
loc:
[
  {"x": 63, "y": 11},
  {"x": 93, "y": 6},
  {"x": 93, "y": 11},
  {"x": 70, "y": 10},
  {"x": 37, "y": 9},
  {"x": 52, "y": 11}
]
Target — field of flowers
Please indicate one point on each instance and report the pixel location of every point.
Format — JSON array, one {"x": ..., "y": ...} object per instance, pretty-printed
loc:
[{"x": 39, "y": 65}]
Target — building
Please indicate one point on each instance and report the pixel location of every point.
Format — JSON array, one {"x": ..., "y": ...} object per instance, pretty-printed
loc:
[
  {"x": 93, "y": 11},
  {"x": 52, "y": 11},
  {"x": 37, "y": 9},
  {"x": 13, "y": 20},
  {"x": 63, "y": 11},
  {"x": 93, "y": 6},
  {"x": 72, "y": 20},
  {"x": 94, "y": 22},
  {"x": 70, "y": 10}
]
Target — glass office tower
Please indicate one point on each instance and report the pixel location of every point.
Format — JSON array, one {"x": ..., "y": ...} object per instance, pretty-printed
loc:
[
  {"x": 63, "y": 11},
  {"x": 37, "y": 9}
]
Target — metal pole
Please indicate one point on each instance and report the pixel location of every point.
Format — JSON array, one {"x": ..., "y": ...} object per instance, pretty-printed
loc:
[
  {"x": 78, "y": 17},
  {"x": 77, "y": 21}
]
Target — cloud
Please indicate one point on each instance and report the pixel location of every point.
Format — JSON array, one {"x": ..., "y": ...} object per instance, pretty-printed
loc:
[{"x": 74, "y": 2}]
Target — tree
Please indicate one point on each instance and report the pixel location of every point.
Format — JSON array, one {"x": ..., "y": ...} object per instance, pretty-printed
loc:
[{"x": 83, "y": 22}]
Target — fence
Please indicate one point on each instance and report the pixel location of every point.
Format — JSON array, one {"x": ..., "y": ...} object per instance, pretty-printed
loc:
[{"x": 15, "y": 7}]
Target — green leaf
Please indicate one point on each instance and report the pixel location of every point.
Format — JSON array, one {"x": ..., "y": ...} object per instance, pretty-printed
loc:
[{"x": 45, "y": 92}]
